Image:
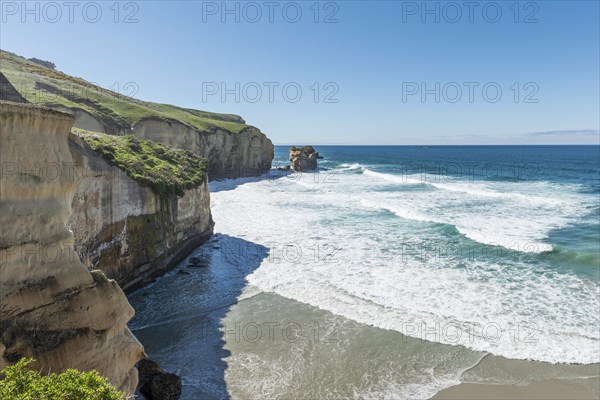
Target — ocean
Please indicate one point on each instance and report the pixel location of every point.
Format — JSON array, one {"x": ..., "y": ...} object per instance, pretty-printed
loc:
[{"x": 391, "y": 272}]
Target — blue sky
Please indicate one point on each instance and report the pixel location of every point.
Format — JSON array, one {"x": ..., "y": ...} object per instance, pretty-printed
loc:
[{"x": 387, "y": 72}]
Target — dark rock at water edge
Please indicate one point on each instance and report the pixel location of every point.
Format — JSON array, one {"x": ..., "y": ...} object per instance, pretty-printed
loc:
[
  {"x": 155, "y": 383},
  {"x": 147, "y": 369},
  {"x": 166, "y": 386},
  {"x": 197, "y": 262}
]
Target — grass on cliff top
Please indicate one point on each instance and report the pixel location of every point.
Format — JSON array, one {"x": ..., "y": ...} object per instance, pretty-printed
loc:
[
  {"x": 165, "y": 170},
  {"x": 48, "y": 87},
  {"x": 18, "y": 382}
]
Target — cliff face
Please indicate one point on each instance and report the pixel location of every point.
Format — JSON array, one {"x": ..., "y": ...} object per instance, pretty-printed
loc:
[
  {"x": 125, "y": 229},
  {"x": 230, "y": 155},
  {"x": 233, "y": 148},
  {"x": 51, "y": 307}
]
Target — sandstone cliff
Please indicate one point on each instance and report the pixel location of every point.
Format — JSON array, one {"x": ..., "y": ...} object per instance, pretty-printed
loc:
[
  {"x": 233, "y": 148},
  {"x": 51, "y": 307},
  {"x": 120, "y": 225},
  {"x": 126, "y": 229},
  {"x": 230, "y": 155}
]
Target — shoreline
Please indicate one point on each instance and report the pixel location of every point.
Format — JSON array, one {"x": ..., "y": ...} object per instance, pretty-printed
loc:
[
  {"x": 559, "y": 389},
  {"x": 258, "y": 331}
]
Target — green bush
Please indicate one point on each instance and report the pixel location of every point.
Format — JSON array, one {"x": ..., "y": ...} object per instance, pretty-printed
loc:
[
  {"x": 19, "y": 383},
  {"x": 165, "y": 170}
]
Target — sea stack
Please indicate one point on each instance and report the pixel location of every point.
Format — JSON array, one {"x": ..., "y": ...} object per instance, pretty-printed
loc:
[{"x": 303, "y": 158}]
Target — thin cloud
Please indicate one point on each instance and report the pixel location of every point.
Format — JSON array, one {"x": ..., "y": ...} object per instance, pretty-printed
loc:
[{"x": 581, "y": 132}]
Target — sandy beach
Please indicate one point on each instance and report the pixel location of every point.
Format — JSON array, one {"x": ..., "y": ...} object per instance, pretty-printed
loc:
[{"x": 551, "y": 389}]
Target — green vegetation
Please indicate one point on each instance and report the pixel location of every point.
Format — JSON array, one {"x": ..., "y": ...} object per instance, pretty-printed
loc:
[
  {"x": 116, "y": 111},
  {"x": 19, "y": 383},
  {"x": 165, "y": 170}
]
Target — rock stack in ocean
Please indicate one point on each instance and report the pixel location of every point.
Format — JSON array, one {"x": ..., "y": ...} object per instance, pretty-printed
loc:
[
  {"x": 303, "y": 158},
  {"x": 51, "y": 307}
]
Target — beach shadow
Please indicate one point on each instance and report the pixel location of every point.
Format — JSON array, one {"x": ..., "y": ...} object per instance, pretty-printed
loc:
[{"x": 179, "y": 318}]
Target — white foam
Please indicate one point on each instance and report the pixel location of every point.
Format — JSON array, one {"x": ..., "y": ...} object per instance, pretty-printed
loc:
[
  {"x": 373, "y": 281},
  {"x": 517, "y": 216},
  {"x": 350, "y": 167},
  {"x": 400, "y": 179}
]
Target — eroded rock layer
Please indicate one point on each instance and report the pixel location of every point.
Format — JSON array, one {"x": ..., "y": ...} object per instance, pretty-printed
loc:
[
  {"x": 230, "y": 155},
  {"x": 51, "y": 307},
  {"x": 127, "y": 230}
]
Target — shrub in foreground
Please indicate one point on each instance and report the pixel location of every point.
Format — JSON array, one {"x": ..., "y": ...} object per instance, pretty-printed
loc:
[{"x": 17, "y": 382}]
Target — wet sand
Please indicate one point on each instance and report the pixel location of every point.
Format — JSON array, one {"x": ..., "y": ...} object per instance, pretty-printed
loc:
[{"x": 551, "y": 389}]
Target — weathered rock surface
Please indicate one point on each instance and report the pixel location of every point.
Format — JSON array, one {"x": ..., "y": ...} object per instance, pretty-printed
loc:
[
  {"x": 125, "y": 229},
  {"x": 303, "y": 158},
  {"x": 51, "y": 307},
  {"x": 83, "y": 119},
  {"x": 156, "y": 384},
  {"x": 232, "y": 148},
  {"x": 230, "y": 155}
]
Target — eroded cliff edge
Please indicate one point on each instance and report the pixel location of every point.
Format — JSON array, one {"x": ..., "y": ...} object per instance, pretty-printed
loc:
[
  {"x": 232, "y": 147},
  {"x": 120, "y": 225},
  {"x": 128, "y": 230},
  {"x": 51, "y": 307},
  {"x": 230, "y": 155}
]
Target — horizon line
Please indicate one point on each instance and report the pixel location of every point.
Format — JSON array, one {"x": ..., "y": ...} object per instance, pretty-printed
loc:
[{"x": 438, "y": 145}]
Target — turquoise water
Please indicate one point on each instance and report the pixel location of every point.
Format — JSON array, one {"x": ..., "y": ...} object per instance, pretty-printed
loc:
[{"x": 570, "y": 169}]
